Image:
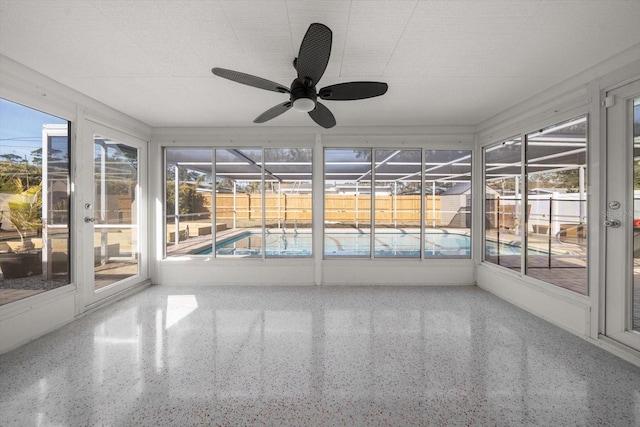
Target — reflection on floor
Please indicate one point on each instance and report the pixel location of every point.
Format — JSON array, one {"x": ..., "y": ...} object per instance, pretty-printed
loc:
[{"x": 317, "y": 356}]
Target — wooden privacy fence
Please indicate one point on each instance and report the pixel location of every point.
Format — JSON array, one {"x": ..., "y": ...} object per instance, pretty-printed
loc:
[{"x": 338, "y": 208}]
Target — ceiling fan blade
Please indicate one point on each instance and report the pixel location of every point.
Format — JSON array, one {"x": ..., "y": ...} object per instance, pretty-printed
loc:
[
  {"x": 249, "y": 80},
  {"x": 352, "y": 91},
  {"x": 322, "y": 116},
  {"x": 273, "y": 112},
  {"x": 314, "y": 53}
]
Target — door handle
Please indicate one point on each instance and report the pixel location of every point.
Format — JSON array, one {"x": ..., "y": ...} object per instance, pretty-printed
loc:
[
  {"x": 89, "y": 219},
  {"x": 613, "y": 223}
]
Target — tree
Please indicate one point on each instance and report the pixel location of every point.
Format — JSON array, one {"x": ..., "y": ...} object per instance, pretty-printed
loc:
[
  {"x": 190, "y": 200},
  {"x": 500, "y": 185},
  {"x": 25, "y": 210},
  {"x": 12, "y": 158},
  {"x": 16, "y": 174},
  {"x": 565, "y": 179},
  {"x": 224, "y": 184},
  {"x": 288, "y": 155},
  {"x": 36, "y": 157},
  {"x": 24, "y": 182}
]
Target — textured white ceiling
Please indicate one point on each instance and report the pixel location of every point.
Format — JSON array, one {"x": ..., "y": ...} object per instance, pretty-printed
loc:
[{"x": 446, "y": 61}]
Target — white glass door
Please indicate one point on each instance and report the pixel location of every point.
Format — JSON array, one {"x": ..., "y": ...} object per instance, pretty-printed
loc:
[
  {"x": 114, "y": 215},
  {"x": 622, "y": 216}
]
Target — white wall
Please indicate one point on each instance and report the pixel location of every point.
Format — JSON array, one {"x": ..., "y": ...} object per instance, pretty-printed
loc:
[
  {"x": 32, "y": 317},
  {"x": 582, "y": 94}
]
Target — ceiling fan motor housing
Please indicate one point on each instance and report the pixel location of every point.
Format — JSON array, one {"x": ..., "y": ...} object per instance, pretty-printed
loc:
[
  {"x": 300, "y": 90},
  {"x": 303, "y": 92}
]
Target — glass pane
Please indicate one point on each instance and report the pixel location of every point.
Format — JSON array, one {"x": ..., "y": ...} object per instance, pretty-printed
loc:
[
  {"x": 239, "y": 203},
  {"x": 636, "y": 216},
  {"x": 397, "y": 203},
  {"x": 347, "y": 202},
  {"x": 115, "y": 212},
  {"x": 502, "y": 203},
  {"x": 288, "y": 197},
  {"x": 188, "y": 210},
  {"x": 447, "y": 193},
  {"x": 556, "y": 164},
  {"x": 34, "y": 202}
]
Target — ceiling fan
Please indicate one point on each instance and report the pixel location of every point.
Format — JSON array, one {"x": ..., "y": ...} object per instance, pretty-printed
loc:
[{"x": 310, "y": 64}]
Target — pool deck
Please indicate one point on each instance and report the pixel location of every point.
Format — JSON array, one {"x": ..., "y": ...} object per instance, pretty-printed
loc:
[{"x": 192, "y": 245}]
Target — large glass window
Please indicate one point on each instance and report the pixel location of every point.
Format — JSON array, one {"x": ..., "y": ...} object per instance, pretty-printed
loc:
[
  {"x": 260, "y": 210},
  {"x": 115, "y": 207},
  {"x": 34, "y": 202},
  {"x": 188, "y": 216},
  {"x": 377, "y": 202},
  {"x": 288, "y": 197},
  {"x": 447, "y": 207},
  {"x": 239, "y": 194},
  {"x": 347, "y": 202},
  {"x": 405, "y": 201},
  {"x": 548, "y": 203},
  {"x": 397, "y": 203},
  {"x": 502, "y": 201},
  {"x": 556, "y": 182}
]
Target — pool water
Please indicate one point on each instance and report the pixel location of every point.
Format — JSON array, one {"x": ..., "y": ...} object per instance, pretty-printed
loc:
[
  {"x": 250, "y": 244},
  {"x": 504, "y": 248},
  {"x": 346, "y": 244},
  {"x": 397, "y": 244}
]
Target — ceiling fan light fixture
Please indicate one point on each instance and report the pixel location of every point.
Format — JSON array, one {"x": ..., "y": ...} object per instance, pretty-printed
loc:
[{"x": 304, "y": 105}]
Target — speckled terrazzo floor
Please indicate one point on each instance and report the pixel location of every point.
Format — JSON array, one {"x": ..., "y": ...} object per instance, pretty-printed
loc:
[{"x": 316, "y": 356}]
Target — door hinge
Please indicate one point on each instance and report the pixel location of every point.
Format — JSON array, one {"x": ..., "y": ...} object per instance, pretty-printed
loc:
[{"x": 609, "y": 101}]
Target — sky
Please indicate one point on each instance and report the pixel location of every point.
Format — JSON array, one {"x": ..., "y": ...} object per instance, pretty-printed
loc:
[{"x": 21, "y": 128}]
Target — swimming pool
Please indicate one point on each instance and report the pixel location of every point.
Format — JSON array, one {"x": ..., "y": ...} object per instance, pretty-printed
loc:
[
  {"x": 439, "y": 244},
  {"x": 492, "y": 248},
  {"x": 338, "y": 244},
  {"x": 281, "y": 244}
]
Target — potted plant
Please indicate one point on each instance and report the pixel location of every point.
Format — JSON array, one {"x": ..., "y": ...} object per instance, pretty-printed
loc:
[{"x": 21, "y": 257}]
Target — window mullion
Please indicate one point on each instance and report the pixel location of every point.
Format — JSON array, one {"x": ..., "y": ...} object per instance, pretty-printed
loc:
[{"x": 372, "y": 193}]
